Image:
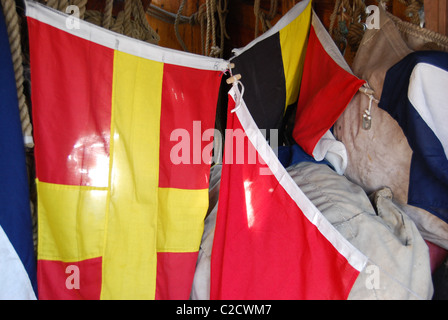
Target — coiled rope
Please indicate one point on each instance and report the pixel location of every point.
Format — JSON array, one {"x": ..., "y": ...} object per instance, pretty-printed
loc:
[
  {"x": 265, "y": 19},
  {"x": 346, "y": 25},
  {"x": 131, "y": 21},
  {"x": 205, "y": 17},
  {"x": 413, "y": 10},
  {"x": 346, "y": 21},
  {"x": 13, "y": 28}
]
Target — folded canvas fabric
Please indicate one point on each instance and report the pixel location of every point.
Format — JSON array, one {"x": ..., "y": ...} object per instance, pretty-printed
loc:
[
  {"x": 415, "y": 95},
  {"x": 381, "y": 156},
  {"x": 398, "y": 255},
  {"x": 201, "y": 284},
  {"x": 398, "y": 266}
]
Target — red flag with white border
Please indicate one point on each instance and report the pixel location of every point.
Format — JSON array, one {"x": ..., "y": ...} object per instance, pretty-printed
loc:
[{"x": 270, "y": 241}]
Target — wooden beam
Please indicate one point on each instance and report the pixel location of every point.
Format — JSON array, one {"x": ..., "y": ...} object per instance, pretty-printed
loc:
[
  {"x": 436, "y": 12},
  {"x": 443, "y": 17},
  {"x": 287, "y": 5},
  {"x": 431, "y": 15}
]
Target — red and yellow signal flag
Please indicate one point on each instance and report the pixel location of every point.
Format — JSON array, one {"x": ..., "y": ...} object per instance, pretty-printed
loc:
[{"x": 117, "y": 217}]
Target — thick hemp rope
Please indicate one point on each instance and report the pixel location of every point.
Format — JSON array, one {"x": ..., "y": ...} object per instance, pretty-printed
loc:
[
  {"x": 176, "y": 25},
  {"x": 413, "y": 9},
  {"x": 131, "y": 21},
  {"x": 205, "y": 17},
  {"x": 346, "y": 25},
  {"x": 13, "y": 28},
  {"x": 264, "y": 18}
]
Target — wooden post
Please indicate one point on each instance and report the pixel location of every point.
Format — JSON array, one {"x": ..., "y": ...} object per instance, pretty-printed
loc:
[
  {"x": 436, "y": 12},
  {"x": 443, "y": 17},
  {"x": 287, "y": 5}
]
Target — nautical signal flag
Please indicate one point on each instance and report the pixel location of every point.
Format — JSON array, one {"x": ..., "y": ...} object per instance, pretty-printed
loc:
[
  {"x": 271, "y": 66},
  {"x": 270, "y": 241},
  {"x": 415, "y": 95},
  {"x": 17, "y": 257},
  {"x": 296, "y": 55},
  {"x": 119, "y": 217},
  {"x": 326, "y": 89}
]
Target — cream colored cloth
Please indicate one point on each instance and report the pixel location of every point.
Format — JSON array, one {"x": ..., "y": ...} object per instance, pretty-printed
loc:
[
  {"x": 399, "y": 265},
  {"x": 201, "y": 283},
  {"x": 381, "y": 157}
]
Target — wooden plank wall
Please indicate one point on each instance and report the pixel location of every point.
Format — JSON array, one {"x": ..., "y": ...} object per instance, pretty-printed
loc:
[
  {"x": 240, "y": 20},
  {"x": 436, "y": 15},
  {"x": 190, "y": 33}
]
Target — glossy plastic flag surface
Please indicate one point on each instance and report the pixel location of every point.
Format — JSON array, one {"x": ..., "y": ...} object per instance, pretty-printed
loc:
[
  {"x": 17, "y": 258},
  {"x": 270, "y": 241},
  {"x": 121, "y": 196}
]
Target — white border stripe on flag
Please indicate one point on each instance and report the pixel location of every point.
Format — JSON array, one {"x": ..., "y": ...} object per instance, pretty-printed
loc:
[
  {"x": 15, "y": 283},
  {"x": 119, "y": 42},
  {"x": 356, "y": 259},
  {"x": 328, "y": 43}
]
